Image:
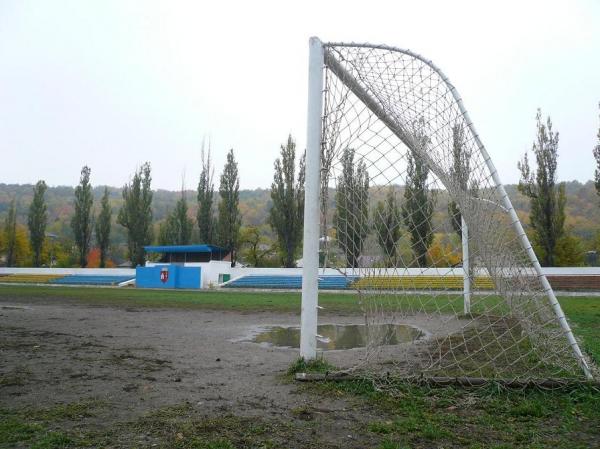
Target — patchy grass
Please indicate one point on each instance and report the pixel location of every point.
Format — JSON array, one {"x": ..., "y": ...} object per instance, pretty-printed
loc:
[
  {"x": 13, "y": 429},
  {"x": 179, "y": 426},
  {"x": 200, "y": 299},
  {"x": 68, "y": 412},
  {"x": 584, "y": 315},
  {"x": 37, "y": 426},
  {"x": 318, "y": 365},
  {"x": 423, "y": 417}
]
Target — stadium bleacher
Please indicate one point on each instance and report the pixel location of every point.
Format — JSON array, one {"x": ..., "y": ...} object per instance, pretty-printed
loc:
[
  {"x": 327, "y": 282},
  {"x": 338, "y": 282},
  {"x": 29, "y": 278},
  {"x": 420, "y": 282},
  {"x": 88, "y": 279}
]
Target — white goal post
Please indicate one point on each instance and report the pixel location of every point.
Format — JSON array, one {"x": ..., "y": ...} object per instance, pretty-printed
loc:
[{"x": 394, "y": 118}]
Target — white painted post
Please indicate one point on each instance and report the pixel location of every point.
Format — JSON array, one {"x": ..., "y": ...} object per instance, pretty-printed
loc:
[
  {"x": 310, "y": 252},
  {"x": 466, "y": 266}
]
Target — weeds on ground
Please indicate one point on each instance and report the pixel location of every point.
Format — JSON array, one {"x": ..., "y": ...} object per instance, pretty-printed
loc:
[
  {"x": 318, "y": 365},
  {"x": 37, "y": 426},
  {"x": 420, "y": 416}
]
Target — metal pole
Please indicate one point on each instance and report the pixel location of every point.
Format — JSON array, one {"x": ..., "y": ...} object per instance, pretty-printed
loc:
[
  {"x": 310, "y": 252},
  {"x": 466, "y": 266}
]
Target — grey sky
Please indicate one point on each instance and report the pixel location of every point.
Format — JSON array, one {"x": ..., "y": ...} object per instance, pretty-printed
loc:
[{"x": 114, "y": 83}]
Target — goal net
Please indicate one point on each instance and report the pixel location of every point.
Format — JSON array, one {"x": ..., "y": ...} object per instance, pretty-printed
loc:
[{"x": 412, "y": 212}]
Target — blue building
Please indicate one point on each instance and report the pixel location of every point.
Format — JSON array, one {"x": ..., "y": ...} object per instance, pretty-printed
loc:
[{"x": 184, "y": 266}]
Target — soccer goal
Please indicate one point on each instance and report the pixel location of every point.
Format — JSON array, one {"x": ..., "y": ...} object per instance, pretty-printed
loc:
[{"x": 403, "y": 199}]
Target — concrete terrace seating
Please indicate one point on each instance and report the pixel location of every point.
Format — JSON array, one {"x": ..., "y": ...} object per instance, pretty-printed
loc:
[
  {"x": 338, "y": 282},
  {"x": 420, "y": 282},
  {"x": 29, "y": 278},
  {"x": 88, "y": 279},
  {"x": 326, "y": 282}
]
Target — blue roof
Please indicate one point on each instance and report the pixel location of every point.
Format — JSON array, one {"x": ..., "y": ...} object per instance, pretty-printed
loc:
[{"x": 185, "y": 249}]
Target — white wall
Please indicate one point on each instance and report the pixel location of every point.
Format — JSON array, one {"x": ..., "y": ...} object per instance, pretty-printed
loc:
[
  {"x": 67, "y": 271},
  {"x": 212, "y": 270}
]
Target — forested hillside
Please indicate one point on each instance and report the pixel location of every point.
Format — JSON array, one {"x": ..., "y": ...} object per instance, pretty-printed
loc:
[{"x": 583, "y": 210}]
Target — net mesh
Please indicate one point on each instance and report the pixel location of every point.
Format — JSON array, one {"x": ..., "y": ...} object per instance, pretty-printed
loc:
[{"x": 400, "y": 167}]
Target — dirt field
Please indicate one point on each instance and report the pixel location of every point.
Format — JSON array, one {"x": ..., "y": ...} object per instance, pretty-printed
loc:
[
  {"x": 75, "y": 374},
  {"x": 135, "y": 361}
]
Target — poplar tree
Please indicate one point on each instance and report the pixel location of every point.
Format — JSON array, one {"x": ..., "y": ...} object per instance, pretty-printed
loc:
[
  {"x": 229, "y": 219},
  {"x": 136, "y": 214},
  {"x": 37, "y": 220},
  {"x": 597, "y": 157},
  {"x": 459, "y": 173},
  {"x": 103, "y": 226},
  {"x": 417, "y": 210},
  {"x": 351, "y": 218},
  {"x": 206, "y": 189},
  {"x": 177, "y": 229},
  {"x": 10, "y": 235},
  {"x": 546, "y": 196},
  {"x": 387, "y": 223},
  {"x": 81, "y": 223},
  {"x": 287, "y": 193}
]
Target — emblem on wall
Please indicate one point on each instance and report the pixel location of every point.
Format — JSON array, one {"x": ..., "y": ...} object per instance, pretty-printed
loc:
[{"x": 164, "y": 275}]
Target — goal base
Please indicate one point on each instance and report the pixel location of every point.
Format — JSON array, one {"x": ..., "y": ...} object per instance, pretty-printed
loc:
[{"x": 441, "y": 381}]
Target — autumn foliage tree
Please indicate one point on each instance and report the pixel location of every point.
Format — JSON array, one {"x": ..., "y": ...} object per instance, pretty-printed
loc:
[{"x": 256, "y": 247}]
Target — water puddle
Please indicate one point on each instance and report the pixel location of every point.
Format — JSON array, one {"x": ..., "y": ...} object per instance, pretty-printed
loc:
[{"x": 336, "y": 336}]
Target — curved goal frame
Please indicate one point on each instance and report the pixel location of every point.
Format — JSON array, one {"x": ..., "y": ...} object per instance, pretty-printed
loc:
[{"x": 320, "y": 58}]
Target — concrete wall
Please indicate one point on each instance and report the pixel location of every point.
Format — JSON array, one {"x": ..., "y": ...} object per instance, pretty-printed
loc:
[
  {"x": 210, "y": 270},
  {"x": 178, "y": 276},
  {"x": 561, "y": 278},
  {"x": 548, "y": 271},
  {"x": 67, "y": 271}
]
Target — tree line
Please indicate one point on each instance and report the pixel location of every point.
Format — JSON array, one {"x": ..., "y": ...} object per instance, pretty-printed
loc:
[
  {"x": 553, "y": 243},
  {"x": 218, "y": 219}
]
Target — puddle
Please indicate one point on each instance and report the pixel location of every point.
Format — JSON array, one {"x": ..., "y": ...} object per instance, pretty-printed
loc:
[{"x": 336, "y": 336}]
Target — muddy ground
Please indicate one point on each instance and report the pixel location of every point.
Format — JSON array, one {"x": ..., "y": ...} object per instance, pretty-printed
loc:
[
  {"x": 135, "y": 361},
  {"x": 75, "y": 375}
]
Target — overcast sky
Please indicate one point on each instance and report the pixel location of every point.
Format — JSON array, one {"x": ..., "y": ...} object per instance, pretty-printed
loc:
[{"x": 112, "y": 84}]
